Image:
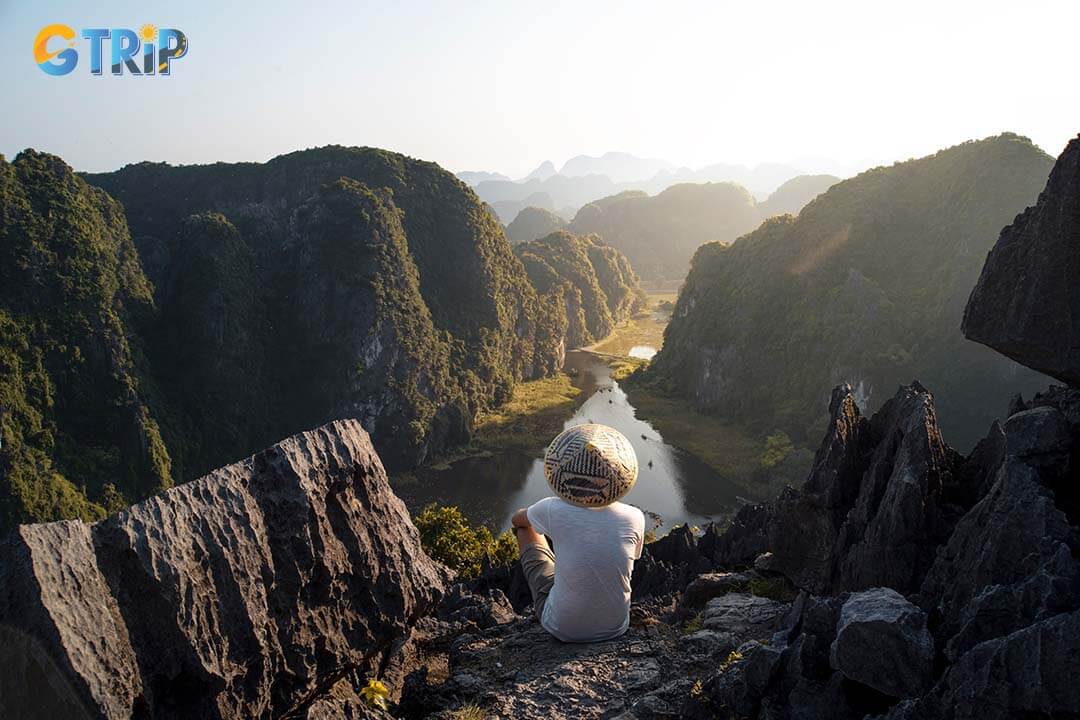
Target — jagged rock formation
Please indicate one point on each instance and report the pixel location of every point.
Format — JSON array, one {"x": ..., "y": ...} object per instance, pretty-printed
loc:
[
  {"x": 867, "y": 285},
  {"x": 874, "y": 507},
  {"x": 1026, "y": 304},
  {"x": 533, "y": 223},
  {"x": 589, "y": 282},
  {"x": 660, "y": 234},
  {"x": 242, "y": 594}
]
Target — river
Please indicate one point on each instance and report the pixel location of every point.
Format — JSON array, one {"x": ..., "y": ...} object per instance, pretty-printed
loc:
[{"x": 673, "y": 486}]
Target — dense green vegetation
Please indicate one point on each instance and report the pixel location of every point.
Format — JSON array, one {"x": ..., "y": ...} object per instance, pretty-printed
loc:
[
  {"x": 867, "y": 285},
  {"x": 591, "y": 283},
  {"x": 532, "y": 223},
  {"x": 449, "y": 538},
  {"x": 362, "y": 283},
  {"x": 337, "y": 282},
  {"x": 78, "y": 434}
]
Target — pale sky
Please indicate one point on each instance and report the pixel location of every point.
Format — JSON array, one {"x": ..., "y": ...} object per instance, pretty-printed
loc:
[{"x": 503, "y": 85}]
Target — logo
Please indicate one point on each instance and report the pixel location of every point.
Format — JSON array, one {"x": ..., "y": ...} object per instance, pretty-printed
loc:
[{"x": 146, "y": 52}]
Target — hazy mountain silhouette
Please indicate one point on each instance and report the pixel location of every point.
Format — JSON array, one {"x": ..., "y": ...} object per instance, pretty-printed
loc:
[
  {"x": 545, "y": 170},
  {"x": 619, "y": 166}
]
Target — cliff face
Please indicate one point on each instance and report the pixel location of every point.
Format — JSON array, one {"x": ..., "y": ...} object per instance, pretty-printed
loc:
[
  {"x": 341, "y": 282},
  {"x": 592, "y": 283},
  {"x": 866, "y": 286},
  {"x": 241, "y": 594},
  {"x": 1026, "y": 304}
]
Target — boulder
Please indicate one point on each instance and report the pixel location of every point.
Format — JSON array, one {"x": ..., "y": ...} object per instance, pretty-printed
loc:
[
  {"x": 1026, "y": 304},
  {"x": 707, "y": 586},
  {"x": 744, "y": 616},
  {"x": 238, "y": 594},
  {"x": 1029, "y": 673},
  {"x": 882, "y": 642}
]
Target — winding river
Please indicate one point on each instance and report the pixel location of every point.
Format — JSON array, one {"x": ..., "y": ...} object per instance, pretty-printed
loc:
[{"x": 673, "y": 486}]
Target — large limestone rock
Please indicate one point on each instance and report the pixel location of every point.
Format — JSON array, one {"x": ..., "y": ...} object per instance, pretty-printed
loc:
[
  {"x": 1013, "y": 559},
  {"x": 237, "y": 595},
  {"x": 1026, "y": 304},
  {"x": 882, "y": 642}
]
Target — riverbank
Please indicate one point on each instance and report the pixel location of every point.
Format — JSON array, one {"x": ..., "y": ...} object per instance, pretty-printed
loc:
[
  {"x": 762, "y": 466},
  {"x": 644, "y": 330},
  {"x": 534, "y": 414}
]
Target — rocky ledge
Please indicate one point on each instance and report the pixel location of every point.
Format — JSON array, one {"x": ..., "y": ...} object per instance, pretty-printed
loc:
[
  {"x": 245, "y": 593},
  {"x": 902, "y": 581}
]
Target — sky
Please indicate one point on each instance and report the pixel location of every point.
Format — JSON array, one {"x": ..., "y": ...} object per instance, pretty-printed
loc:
[{"x": 502, "y": 86}]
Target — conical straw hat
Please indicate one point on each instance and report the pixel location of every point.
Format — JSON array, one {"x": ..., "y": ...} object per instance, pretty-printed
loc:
[{"x": 590, "y": 465}]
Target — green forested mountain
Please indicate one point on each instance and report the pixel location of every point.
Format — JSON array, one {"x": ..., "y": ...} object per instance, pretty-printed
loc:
[
  {"x": 77, "y": 430},
  {"x": 660, "y": 233},
  {"x": 590, "y": 282},
  {"x": 866, "y": 285},
  {"x": 532, "y": 223},
  {"x": 325, "y": 283}
]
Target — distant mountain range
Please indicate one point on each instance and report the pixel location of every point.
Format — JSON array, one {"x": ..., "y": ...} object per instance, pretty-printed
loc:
[
  {"x": 659, "y": 233},
  {"x": 585, "y": 178}
]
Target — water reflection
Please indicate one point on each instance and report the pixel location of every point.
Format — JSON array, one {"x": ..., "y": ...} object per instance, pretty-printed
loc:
[
  {"x": 645, "y": 352},
  {"x": 489, "y": 489}
]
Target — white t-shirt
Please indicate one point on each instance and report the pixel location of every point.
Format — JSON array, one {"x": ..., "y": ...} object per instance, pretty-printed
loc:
[{"x": 595, "y": 549}]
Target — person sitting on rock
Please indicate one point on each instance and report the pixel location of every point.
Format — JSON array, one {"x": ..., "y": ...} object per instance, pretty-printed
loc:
[{"x": 585, "y": 596}]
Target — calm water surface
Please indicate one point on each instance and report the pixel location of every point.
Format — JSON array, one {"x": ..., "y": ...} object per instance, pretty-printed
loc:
[
  {"x": 645, "y": 352},
  {"x": 672, "y": 484}
]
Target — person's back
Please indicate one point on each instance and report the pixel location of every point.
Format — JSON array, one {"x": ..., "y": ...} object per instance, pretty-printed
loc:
[
  {"x": 585, "y": 596},
  {"x": 596, "y": 549}
]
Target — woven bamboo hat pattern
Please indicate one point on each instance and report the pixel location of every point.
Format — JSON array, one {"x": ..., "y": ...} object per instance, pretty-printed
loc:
[{"x": 590, "y": 465}]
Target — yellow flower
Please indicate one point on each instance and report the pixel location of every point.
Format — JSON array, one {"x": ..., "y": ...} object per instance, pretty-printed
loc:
[{"x": 375, "y": 694}]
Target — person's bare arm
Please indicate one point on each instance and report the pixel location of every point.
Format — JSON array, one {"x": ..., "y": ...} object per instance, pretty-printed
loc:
[{"x": 523, "y": 530}]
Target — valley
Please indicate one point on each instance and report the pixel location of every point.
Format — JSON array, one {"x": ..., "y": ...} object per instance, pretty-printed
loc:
[{"x": 694, "y": 468}]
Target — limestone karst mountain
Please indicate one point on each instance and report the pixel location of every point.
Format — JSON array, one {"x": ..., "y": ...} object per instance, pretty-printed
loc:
[
  {"x": 591, "y": 283},
  {"x": 660, "y": 234},
  {"x": 79, "y": 426},
  {"x": 867, "y": 285},
  {"x": 533, "y": 223},
  {"x": 542, "y": 172},
  {"x": 621, "y": 167},
  {"x": 472, "y": 178},
  {"x": 338, "y": 282},
  {"x": 389, "y": 285},
  {"x": 791, "y": 197}
]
